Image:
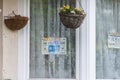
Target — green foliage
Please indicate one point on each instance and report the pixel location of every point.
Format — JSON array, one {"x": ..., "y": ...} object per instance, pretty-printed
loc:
[{"x": 68, "y": 10}]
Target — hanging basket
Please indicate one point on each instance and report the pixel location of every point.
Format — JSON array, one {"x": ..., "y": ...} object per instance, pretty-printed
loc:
[
  {"x": 72, "y": 20},
  {"x": 15, "y": 22}
]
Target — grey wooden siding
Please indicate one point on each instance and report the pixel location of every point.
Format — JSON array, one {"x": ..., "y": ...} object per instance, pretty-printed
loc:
[
  {"x": 45, "y": 22},
  {"x": 108, "y": 20}
]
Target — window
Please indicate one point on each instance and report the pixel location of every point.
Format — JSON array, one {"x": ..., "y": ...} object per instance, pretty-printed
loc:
[
  {"x": 107, "y": 53},
  {"x": 45, "y": 23}
]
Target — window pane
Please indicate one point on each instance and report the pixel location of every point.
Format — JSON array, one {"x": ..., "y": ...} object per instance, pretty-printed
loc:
[
  {"x": 107, "y": 26},
  {"x": 45, "y": 23}
]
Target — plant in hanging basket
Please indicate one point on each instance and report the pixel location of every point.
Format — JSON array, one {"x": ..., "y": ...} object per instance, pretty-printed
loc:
[
  {"x": 71, "y": 17},
  {"x": 15, "y": 22}
]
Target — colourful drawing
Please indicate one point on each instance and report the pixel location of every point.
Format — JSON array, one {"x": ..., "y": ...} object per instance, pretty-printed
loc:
[
  {"x": 114, "y": 40},
  {"x": 53, "y": 45}
]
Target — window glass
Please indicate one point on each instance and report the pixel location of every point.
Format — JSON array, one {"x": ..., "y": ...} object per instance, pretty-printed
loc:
[
  {"x": 47, "y": 32},
  {"x": 107, "y": 39}
]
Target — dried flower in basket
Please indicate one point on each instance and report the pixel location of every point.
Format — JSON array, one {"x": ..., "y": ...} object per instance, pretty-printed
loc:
[
  {"x": 71, "y": 17},
  {"x": 68, "y": 10}
]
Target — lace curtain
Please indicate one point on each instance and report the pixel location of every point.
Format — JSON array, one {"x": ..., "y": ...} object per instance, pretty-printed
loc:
[{"x": 45, "y": 22}]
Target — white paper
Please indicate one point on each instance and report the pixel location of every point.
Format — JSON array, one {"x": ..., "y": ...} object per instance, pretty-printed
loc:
[{"x": 53, "y": 45}]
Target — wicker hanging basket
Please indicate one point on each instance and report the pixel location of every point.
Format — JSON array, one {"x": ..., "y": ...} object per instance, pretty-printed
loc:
[
  {"x": 15, "y": 22},
  {"x": 72, "y": 20}
]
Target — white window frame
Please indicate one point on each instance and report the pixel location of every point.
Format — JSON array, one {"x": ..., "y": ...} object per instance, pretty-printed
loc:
[
  {"x": 91, "y": 41},
  {"x": 86, "y": 37}
]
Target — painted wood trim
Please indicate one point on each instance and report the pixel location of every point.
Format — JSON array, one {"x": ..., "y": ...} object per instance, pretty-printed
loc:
[
  {"x": 23, "y": 42},
  {"x": 91, "y": 45},
  {"x": 53, "y": 79},
  {"x": 107, "y": 79},
  {"x": 10, "y": 43},
  {"x": 83, "y": 43},
  {"x": 1, "y": 52},
  {"x": 83, "y": 50}
]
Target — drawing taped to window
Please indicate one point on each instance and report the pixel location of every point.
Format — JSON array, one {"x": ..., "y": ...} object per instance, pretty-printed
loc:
[{"x": 53, "y": 45}]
